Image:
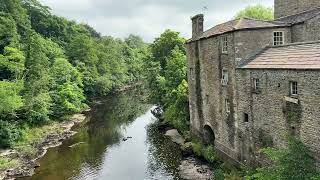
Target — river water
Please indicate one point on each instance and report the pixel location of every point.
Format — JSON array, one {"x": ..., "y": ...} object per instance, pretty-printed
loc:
[{"x": 103, "y": 155}]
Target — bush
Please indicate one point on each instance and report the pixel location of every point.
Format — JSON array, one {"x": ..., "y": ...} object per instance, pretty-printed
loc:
[
  {"x": 6, "y": 163},
  {"x": 207, "y": 152},
  {"x": 9, "y": 133}
]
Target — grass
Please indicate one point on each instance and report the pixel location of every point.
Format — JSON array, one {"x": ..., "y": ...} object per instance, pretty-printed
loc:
[
  {"x": 6, "y": 163},
  {"x": 32, "y": 137}
]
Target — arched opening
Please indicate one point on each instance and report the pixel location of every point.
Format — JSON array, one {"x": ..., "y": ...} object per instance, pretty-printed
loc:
[{"x": 208, "y": 135}]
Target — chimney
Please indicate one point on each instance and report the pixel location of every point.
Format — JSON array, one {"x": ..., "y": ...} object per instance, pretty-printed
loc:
[{"x": 197, "y": 25}]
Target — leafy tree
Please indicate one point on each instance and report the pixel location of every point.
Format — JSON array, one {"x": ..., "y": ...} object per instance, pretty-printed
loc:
[
  {"x": 294, "y": 163},
  {"x": 135, "y": 42},
  {"x": 10, "y": 98},
  {"x": 37, "y": 81},
  {"x": 66, "y": 88},
  {"x": 8, "y": 31},
  {"x": 12, "y": 64},
  {"x": 162, "y": 46},
  {"x": 82, "y": 53},
  {"x": 257, "y": 12}
]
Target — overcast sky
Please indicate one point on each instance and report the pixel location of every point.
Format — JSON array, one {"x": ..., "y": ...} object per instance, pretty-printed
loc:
[{"x": 147, "y": 18}]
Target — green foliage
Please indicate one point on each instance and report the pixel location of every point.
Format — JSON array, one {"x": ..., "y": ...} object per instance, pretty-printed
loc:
[
  {"x": 207, "y": 152},
  {"x": 11, "y": 64},
  {"x": 257, "y": 12},
  {"x": 162, "y": 47},
  {"x": 48, "y": 65},
  {"x": 10, "y": 99},
  {"x": 178, "y": 112},
  {"x": 6, "y": 163},
  {"x": 66, "y": 88},
  {"x": 166, "y": 78},
  {"x": 8, "y": 31},
  {"x": 294, "y": 163},
  {"x": 9, "y": 133}
]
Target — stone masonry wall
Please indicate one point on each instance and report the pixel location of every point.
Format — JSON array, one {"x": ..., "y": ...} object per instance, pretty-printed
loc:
[
  {"x": 207, "y": 94},
  {"x": 268, "y": 113},
  {"x": 307, "y": 31},
  {"x": 290, "y": 7}
]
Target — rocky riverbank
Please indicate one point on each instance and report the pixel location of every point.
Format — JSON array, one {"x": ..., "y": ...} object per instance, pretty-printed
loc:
[
  {"x": 26, "y": 163},
  {"x": 191, "y": 167}
]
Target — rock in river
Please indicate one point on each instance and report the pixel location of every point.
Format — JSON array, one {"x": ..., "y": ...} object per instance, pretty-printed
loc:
[
  {"x": 175, "y": 136},
  {"x": 193, "y": 169}
]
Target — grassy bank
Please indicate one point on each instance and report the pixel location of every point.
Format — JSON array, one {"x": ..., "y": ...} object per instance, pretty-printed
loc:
[{"x": 29, "y": 144}]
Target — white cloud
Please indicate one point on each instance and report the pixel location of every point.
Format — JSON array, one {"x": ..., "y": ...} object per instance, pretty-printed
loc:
[{"x": 147, "y": 18}]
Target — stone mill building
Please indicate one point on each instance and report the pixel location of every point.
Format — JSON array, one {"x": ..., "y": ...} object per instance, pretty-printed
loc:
[{"x": 253, "y": 82}]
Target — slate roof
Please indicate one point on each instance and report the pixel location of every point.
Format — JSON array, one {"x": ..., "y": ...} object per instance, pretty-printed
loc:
[
  {"x": 240, "y": 24},
  {"x": 299, "y": 56},
  {"x": 301, "y": 17}
]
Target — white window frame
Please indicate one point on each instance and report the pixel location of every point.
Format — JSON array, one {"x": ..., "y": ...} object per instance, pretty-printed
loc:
[
  {"x": 276, "y": 38},
  {"x": 225, "y": 77},
  {"x": 293, "y": 88},
  {"x": 256, "y": 84},
  {"x": 224, "y": 44},
  {"x": 227, "y": 105}
]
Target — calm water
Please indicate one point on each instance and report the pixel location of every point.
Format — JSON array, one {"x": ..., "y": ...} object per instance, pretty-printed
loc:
[{"x": 104, "y": 155}]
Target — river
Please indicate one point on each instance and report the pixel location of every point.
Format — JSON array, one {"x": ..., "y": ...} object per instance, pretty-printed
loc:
[{"x": 102, "y": 153}]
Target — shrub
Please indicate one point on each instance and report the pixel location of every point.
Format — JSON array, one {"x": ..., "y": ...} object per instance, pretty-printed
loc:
[
  {"x": 9, "y": 133},
  {"x": 6, "y": 163}
]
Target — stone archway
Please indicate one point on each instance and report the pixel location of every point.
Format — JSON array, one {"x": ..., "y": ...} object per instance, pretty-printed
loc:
[{"x": 208, "y": 135}]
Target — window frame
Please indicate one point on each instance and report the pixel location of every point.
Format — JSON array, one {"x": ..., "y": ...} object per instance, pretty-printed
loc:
[
  {"x": 294, "y": 90},
  {"x": 245, "y": 117},
  {"x": 278, "y": 42},
  {"x": 192, "y": 75},
  {"x": 224, "y": 44},
  {"x": 256, "y": 84},
  {"x": 225, "y": 77},
  {"x": 227, "y": 105}
]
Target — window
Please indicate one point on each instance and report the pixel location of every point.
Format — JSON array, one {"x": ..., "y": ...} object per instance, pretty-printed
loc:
[
  {"x": 192, "y": 74},
  {"x": 227, "y": 103},
  {"x": 256, "y": 84},
  {"x": 246, "y": 117},
  {"x": 278, "y": 38},
  {"x": 225, "y": 77},
  {"x": 293, "y": 88},
  {"x": 224, "y": 44}
]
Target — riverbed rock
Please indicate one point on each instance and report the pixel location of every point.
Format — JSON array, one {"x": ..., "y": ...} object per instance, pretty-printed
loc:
[
  {"x": 2, "y": 175},
  {"x": 175, "y": 136},
  {"x": 187, "y": 149},
  {"x": 193, "y": 169}
]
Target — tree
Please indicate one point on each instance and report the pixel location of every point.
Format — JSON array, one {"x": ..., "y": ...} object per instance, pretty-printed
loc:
[
  {"x": 134, "y": 41},
  {"x": 36, "y": 91},
  {"x": 162, "y": 46},
  {"x": 12, "y": 64},
  {"x": 257, "y": 12},
  {"x": 66, "y": 88}
]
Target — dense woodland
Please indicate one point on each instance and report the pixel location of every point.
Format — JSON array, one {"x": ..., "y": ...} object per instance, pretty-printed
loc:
[{"x": 49, "y": 66}]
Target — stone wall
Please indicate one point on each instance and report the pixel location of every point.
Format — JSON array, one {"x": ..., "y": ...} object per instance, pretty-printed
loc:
[
  {"x": 290, "y": 7},
  {"x": 207, "y": 94},
  {"x": 306, "y": 31},
  {"x": 270, "y": 120}
]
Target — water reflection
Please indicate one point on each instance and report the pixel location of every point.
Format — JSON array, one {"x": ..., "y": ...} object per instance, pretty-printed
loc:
[{"x": 103, "y": 154}]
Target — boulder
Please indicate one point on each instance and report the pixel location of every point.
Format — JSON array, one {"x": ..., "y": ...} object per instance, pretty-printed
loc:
[
  {"x": 175, "y": 136},
  {"x": 193, "y": 169}
]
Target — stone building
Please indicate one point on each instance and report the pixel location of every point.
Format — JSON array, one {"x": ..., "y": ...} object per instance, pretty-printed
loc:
[{"x": 252, "y": 82}]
